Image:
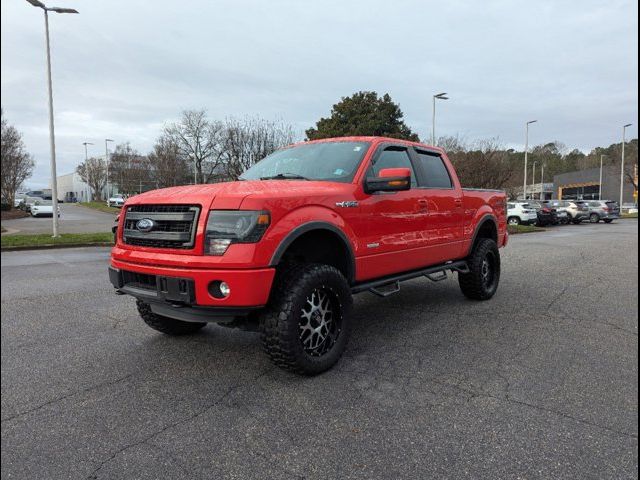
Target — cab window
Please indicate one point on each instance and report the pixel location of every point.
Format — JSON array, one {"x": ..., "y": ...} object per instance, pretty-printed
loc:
[
  {"x": 392, "y": 157},
  {"x": 434, "y": 171}
]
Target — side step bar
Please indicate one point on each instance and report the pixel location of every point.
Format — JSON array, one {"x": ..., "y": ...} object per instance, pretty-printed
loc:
[{"x": 435, "y": 274}]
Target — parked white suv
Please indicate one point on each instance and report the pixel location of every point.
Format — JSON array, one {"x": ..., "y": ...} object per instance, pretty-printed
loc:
[{"x": 521, "y": 213}]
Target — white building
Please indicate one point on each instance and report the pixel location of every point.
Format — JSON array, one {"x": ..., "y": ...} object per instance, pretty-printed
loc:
[{"x": 71, "y": 188}]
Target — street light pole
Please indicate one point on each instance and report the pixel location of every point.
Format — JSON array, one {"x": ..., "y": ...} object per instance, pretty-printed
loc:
[
  {"x": 600, "y": 184},
  {"x": 106, "y": 159},
  {"x": 542, "y": 182},
  {"x": 439, "y": 96},
  {"x": 52, "y": 141},
  {"x": 624, "y": 131},
  {"x": 86, "y": 151},
  {"x": 526, "y": 154}
]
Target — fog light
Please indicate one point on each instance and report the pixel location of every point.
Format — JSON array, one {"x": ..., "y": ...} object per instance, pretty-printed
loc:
[
  {"x": 225, "y": 290},
  {"x": 219, "y": 289}
]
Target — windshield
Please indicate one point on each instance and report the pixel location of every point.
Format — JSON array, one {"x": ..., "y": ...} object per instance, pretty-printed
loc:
[{"x": 328, "y": 161}]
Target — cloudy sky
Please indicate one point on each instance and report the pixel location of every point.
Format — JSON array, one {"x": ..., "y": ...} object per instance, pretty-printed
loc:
[{"x": 121, "y": 69}]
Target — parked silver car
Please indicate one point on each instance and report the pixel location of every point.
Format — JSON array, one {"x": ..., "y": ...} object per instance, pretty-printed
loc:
[
  {"x": 578, "y": 210},
  {"x": 606, "y": 210}
]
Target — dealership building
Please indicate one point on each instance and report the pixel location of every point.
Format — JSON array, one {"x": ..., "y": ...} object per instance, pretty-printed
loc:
[{"x": 585, "y": 185}]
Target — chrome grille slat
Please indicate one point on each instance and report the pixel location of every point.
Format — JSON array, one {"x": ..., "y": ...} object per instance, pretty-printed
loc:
[{"x": 175, "y": 226}]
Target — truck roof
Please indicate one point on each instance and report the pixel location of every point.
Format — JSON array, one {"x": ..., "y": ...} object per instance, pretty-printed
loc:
[{"x": 372, "y": 139}]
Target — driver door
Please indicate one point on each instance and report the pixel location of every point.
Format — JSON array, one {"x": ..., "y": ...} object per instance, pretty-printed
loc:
[{"x": 392, "y": 224}]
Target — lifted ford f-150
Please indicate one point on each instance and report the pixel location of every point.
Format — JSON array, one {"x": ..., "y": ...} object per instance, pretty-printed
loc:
[{"x": 283, "y": 249}]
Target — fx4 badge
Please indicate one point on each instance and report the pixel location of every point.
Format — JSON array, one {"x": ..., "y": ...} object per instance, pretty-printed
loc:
[{"x": 351, "y": 204}]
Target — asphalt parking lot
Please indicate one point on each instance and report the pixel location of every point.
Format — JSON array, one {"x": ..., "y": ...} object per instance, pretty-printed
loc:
[
  {"x": 73, "y": 219},
  {"x": 540, "y": 382}
]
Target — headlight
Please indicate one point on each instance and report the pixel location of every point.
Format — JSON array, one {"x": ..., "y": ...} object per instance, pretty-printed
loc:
[{"x": 225, "y": 227}]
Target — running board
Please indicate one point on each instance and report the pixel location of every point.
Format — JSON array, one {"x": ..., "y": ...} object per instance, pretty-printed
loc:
[{"x": 435, "y": 274}]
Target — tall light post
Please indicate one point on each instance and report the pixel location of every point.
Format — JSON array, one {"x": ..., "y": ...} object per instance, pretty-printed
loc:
[
  {"x": 624, "y": 132},
  {"x": 86, "y": 150},
  {"x": 439, "y": 96},
  {"x": 600, "y": 184},
  {"x": 106, "y": 159},
  {"x": 526, "y": 157},
  {"x": 542, "y": 182},
  {"x": 52, "y": 142},
  {"x": 533, "y": 181}
]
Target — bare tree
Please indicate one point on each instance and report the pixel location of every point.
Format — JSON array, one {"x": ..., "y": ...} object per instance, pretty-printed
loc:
[
  {"x": 17, "y": 164},
  {"x": 485, "y": 164},
  {"x": 167, "y": 166},
  {"x": 249, "y": 140},
  {"x": 200, "y": 142},
  {"x": 129, "y": 170},
  {"x": 94, "y": 173}
]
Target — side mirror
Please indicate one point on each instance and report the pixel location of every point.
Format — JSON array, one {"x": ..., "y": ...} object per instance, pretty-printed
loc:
[{"x": 389, "y": 180}]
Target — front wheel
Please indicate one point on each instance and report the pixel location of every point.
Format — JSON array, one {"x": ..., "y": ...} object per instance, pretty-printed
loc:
[
  {"x": 514, "y": 221},
  {"x": 306, "y": 326},
  {"x": 481, "y": 282}
]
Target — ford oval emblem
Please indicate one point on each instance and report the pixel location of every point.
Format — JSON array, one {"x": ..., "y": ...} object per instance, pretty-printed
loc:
[{"x": 145, "y": 225}]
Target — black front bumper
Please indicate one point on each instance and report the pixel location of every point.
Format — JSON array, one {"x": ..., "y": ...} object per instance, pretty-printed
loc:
[{"x": 172, "y": 297}]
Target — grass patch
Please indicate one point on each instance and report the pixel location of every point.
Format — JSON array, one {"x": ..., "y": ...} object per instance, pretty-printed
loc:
[
  {"x": 629, "y": 215},
  {"x": 45, "y": 239},
  {"x": 101, "y": 206},
  {"x": 516, "y": 229}
]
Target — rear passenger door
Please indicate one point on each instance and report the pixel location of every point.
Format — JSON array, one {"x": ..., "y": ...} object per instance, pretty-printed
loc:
[{"x": 445, "y": 214}]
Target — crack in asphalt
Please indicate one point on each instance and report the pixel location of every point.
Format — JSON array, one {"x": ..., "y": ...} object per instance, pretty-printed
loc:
[
  {"x": 507, "y": 398},
  {"x": 64, "y": 397},
  {"x": 94, "y": 473}
]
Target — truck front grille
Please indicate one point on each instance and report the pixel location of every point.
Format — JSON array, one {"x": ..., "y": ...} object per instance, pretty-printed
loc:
[{"x": 174, "y": 226}]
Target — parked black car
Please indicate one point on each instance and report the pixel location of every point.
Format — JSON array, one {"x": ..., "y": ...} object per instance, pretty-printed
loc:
[{"x": 546, "y": 214}]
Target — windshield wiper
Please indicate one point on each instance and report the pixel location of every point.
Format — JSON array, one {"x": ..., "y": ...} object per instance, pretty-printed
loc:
[{"x": 285, "y": 176}]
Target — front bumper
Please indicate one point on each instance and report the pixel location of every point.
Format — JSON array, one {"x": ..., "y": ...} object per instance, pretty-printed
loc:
[{"x": 170, "y": 285}]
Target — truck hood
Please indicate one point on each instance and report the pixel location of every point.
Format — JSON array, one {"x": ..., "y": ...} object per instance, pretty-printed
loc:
[{"x": 230, "y": 195}]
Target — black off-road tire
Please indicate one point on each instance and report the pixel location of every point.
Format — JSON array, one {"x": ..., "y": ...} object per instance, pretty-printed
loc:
[
  {"x": 281, "y": 321},
  {"x": 476, "y": 285},
  {"x": 166, "y": 325}
]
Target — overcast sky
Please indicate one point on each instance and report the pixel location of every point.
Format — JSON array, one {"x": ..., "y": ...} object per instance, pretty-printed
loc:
[{"x": 121, "y": 69}]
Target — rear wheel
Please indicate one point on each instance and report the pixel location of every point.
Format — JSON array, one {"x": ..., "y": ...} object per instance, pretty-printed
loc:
[
  {"x": 307, "y": 324},
  {"x": 514, "y": 221},
  {"x": 483, "y": 278},
  {"x": 594, "y": 218},
  {"x": 166, "y": 325},
  {"x": 608, "y": 220}
]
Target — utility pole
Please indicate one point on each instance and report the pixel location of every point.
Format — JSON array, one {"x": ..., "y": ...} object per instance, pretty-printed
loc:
[
  {"x": 526, "y": 154},
  {"x": 600, "y": 184},
  {"x": 52, "y": 141},
  {"x": 533, "y": 182},
  {"x": 624, "y": 131},
  {"x": 106, "y": 159},
  {"x": 439, "y": 96}
]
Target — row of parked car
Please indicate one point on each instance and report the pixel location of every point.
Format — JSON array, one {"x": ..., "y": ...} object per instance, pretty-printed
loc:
[
  {"x": 562, "y": 212},
  {"x": 36, "y": 203}
]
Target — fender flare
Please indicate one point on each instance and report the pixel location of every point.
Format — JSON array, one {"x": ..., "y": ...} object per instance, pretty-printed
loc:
[
  {"x": 487, "y": 217},
  {"x": 311, "y": 226}
]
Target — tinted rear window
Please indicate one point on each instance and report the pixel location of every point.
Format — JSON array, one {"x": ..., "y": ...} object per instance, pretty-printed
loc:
[{"x": 434, "y": 170}]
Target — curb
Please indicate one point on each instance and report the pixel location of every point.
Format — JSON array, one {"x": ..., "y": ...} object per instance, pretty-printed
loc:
[{"x": 53, "y": 246}]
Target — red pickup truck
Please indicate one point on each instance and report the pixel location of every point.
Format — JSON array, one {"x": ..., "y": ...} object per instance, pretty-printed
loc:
[{"x": 282, "y": 250}]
